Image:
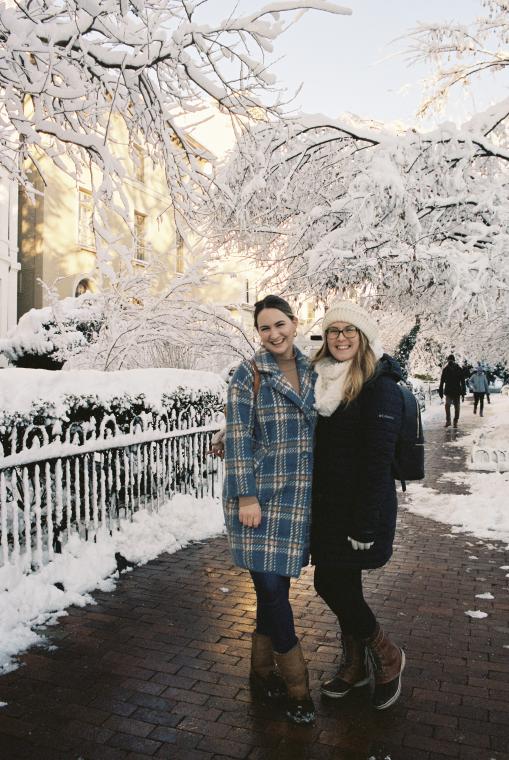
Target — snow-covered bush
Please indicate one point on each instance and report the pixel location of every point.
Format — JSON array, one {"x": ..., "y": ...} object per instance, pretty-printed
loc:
[{"x": 44, "y": 338}]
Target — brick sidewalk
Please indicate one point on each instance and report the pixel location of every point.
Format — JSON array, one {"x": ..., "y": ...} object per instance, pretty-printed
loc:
[{"x": 158, "y": 668}]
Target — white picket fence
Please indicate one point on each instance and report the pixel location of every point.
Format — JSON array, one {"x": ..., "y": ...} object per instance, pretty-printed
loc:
[{"x": 90, "y": 479}]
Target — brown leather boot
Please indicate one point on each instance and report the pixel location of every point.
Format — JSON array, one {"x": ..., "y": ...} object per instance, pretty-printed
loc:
[
  {"x": 292, "y": 666},
  {"x": 388, "y": 661},
  {"x": 263, "y": 676},
  {"x": 353, "y": 670}
]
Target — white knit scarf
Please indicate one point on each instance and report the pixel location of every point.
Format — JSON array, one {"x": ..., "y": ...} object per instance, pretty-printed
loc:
[{"x": 330, "y": 383}]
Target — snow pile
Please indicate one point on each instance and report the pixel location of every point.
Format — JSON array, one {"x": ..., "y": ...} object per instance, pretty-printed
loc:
[
  {"x": 32, "y": 600},
  {"x": 483, "y": 511},
  {"x": 20, "y": 388}
]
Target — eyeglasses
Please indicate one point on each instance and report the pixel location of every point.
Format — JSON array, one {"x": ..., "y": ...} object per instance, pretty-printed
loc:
[{"x": 350, "y": 331}]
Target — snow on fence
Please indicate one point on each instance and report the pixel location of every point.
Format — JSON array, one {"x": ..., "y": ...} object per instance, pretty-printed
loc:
[
  {"x": 94, "y": 476},
  {"x": 489, "y": 458}
]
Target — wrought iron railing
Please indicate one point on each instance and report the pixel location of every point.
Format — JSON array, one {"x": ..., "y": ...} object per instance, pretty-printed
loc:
[{"x": 96, "y": 475}]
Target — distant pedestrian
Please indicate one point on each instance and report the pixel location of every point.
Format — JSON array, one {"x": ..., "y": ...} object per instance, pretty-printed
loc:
[
  {"x": 452, "y": 384},
  {"x": 478, "y": 384},
  {"x": 270, "y": 422},
  {"x": 354, "y": 496}
]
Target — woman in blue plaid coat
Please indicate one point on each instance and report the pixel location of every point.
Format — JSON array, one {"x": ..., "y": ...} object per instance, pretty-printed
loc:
[{"x": 270, "y": 419}]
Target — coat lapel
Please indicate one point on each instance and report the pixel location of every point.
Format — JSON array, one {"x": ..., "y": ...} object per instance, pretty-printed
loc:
[{"x": 269, "y": 366}]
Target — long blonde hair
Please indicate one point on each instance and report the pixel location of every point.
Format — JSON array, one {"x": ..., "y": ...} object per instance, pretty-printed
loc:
[{"x": 361, "y": 369}]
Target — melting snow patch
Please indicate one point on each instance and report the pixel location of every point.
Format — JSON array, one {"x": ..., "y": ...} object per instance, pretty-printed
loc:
[
  {"x": 476, "y": 614},
  {"x": 486, "y": 595}
]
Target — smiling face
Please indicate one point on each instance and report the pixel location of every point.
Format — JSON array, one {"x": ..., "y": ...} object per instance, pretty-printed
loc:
[
  {"x": 277, "y": 332},
  {"x": 342, "y": 348}
]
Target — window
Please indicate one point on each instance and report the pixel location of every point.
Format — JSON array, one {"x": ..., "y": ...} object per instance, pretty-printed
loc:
[
  {"x": 140, "y": 230},
  {"x": 139, "y": 163},
  {"x": 247, "y": 291},
  {"x": 86, "y": 236},
  {"x": 179, "y": 260},
  {"x": 85, "y": 285}
]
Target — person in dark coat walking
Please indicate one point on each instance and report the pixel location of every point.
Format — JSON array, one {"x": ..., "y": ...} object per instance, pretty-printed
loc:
[
  {"x": 452, "y": 383},
  {"x": 354, "y": 501},
  {"x": 267, "y": 495}
]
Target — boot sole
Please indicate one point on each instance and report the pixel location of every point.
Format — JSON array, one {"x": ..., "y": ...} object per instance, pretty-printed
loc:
[
  {"x": 398, "y": 692},
  {"x": 340, "y": 695},
  {"x": 302, "y": 721}
]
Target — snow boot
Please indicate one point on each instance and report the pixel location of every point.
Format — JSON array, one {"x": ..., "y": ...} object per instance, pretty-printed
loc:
[
  {"x": 388, "y": 662},
  {"x": 353, "y": 670},
  {"x": 265, "y": 681},
  {"x": 299, "y": 705}
]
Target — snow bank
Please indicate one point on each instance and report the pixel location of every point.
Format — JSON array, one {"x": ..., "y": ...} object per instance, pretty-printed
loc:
[
  {"x": 20, "y": 388},
  {"x": 482, "y": 512},
  {"x": 32, "y": 600}
]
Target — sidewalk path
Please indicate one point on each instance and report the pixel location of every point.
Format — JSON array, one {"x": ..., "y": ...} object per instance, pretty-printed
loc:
[{"x": 158, "y": 668}]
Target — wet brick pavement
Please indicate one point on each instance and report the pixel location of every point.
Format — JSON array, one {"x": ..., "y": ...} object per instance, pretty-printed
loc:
[{"x": 158, "y": 668}]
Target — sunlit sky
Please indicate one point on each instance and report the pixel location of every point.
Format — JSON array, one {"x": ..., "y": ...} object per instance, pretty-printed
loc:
[{"x": 357, "y": 64}]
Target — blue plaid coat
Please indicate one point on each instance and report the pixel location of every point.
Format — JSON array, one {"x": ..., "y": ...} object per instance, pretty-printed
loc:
[{"x": 269, "y": 454}]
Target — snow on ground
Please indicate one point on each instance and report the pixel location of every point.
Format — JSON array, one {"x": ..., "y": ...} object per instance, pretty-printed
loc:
[
  {"x": 27, "y": 601},
  {"x": 21, "y": 387},
  {"x": 482, "y": 512}
]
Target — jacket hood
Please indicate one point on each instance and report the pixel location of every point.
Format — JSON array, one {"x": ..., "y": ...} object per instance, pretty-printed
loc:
[{"x": 387, "y": 365}]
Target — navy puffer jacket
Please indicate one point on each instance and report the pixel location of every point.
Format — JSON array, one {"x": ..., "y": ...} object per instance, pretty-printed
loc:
[{"x": 354, "y": 493}]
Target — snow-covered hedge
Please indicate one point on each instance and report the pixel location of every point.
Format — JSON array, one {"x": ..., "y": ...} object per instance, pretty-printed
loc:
[{"x": 56, "y": 400}]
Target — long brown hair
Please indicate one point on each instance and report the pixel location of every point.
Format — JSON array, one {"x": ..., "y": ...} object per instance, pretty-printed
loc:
[{"x": 361, "y": 369}]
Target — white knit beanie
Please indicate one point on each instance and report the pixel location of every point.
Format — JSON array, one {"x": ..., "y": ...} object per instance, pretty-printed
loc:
[{"x": 348, "y": 311}]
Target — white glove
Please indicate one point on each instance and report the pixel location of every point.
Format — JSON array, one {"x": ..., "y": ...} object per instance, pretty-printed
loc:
[{"x": 359, "y": 544}]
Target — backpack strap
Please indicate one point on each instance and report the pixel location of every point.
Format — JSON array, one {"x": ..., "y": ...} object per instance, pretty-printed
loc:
[{"x": 256, "y": 379}]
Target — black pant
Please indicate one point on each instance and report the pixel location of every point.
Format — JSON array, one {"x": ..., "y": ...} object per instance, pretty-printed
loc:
[
  {"x": 341, "y": 590},
  {"x": 455, "y": 401},
  {"x": 478, "y": 399},
  {"x": 274, "y": 616}
]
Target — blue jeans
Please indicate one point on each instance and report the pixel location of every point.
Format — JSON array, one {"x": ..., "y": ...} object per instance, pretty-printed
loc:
[{"x": 274, "y": 616}]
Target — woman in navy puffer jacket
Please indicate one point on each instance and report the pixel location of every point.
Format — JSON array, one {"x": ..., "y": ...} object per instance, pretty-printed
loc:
[{"x": 354, "y": 497}]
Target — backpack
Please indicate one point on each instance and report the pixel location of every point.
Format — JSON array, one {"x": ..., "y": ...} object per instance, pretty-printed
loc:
[{"x": 408, "y": 461}]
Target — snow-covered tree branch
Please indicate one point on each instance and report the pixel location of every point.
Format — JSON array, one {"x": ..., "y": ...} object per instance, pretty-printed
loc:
[
  {"x": 68, "y": 65},
  {"x": 417, "y": 221},
  {"x": 462, "y": 52}
]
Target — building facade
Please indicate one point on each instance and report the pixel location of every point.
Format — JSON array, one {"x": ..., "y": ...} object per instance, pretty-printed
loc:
[
  {"x": 8, "y": 254},
  {"x": 68, "y": 242}
]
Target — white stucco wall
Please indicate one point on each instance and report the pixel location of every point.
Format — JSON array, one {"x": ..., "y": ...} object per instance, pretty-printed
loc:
[{"x": 8, "y": 254}]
